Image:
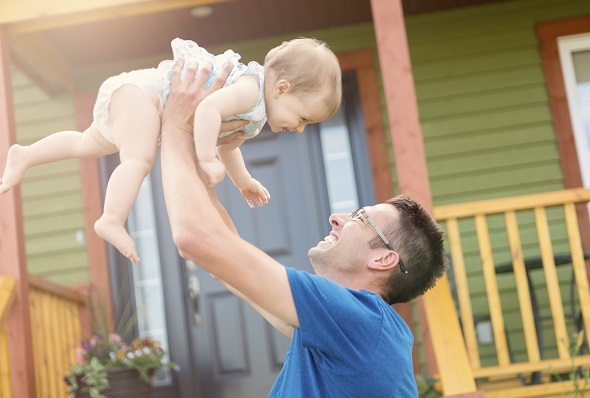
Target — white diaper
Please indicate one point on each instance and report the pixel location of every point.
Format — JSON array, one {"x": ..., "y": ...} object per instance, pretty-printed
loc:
[{"x": 145, "y": 79}]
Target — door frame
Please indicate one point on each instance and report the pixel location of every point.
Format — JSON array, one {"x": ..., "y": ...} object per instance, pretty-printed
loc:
[
  {"x": 547, "y": 34},
  {"x": 567, "y": 45},
  {"x": 363, "y": 63}
]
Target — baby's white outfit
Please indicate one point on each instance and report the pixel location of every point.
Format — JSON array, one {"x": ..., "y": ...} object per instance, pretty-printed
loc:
[{"x": 156, "y": 84}]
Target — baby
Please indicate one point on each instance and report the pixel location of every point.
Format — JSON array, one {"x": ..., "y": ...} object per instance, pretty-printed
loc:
[{"x": 299, "y": 84}]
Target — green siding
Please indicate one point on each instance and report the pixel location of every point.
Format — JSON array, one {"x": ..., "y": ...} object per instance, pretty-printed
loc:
[
  {"x": 488, "y": 132},
  {"x": 482, "y": 99},
  {"x": 52, "y": 201}
]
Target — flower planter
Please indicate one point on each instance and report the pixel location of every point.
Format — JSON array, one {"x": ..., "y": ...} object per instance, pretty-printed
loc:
[{"x": 123, "y": 383}]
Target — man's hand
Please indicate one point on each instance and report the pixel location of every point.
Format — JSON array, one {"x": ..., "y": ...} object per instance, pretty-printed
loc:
[
  {"x": 232, "y": 125},
  {"x": 187, "y": 94}
]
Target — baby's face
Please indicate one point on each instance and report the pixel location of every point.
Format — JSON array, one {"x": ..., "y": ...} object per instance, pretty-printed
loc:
[{"x": 292, "y": 112}]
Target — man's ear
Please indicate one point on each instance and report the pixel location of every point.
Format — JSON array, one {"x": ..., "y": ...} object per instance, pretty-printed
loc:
[
  {"x": 384, "y": 260},
  {"x": 281, "y": 87}
]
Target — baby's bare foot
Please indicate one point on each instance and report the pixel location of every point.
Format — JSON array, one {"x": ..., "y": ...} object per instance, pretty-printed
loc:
[
  {"x": 15, "y": 168},
  {"x": 113, "y": 231}
]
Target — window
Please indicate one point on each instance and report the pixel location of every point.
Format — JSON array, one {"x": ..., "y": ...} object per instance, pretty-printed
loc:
[{"x": 574, "y": 53}]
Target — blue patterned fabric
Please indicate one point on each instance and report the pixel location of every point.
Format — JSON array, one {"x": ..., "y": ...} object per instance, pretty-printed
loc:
[{"x": 189, "y": 51}]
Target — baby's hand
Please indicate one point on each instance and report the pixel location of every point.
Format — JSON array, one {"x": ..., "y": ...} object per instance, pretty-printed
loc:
[
  {"x": 213, "y": 172},
  {"x": 254, "y": 191}
]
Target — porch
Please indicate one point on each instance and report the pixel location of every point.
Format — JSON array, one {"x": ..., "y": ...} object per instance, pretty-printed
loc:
[
  {"x": 452, "y": 99},
  {"x": 515, "y": 362}
]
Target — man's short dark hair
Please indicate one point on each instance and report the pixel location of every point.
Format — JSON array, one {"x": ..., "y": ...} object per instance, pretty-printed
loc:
[{"x": 418, "y": 240}]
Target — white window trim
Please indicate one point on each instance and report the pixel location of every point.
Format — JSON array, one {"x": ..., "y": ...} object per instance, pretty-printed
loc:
[{"x": 566, "y": 46}]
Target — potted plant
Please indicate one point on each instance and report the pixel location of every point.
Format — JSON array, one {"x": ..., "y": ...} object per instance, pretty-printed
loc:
[{"x": 107, "y": 367}]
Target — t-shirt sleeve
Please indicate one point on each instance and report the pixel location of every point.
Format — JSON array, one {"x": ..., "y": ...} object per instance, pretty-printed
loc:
[{"x": 341, "y": 325}]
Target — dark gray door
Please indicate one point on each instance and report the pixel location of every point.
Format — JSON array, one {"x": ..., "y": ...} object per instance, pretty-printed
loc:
[
  {"x": 224, "y": 348},
  {"x": 237, "y": 353}
]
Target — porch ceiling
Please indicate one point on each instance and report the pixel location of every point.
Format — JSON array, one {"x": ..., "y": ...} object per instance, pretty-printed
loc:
[{"x": 48, "y": 45}]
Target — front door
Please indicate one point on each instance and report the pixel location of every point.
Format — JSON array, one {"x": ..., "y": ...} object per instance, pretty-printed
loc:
[
  {"x": 238, "y": 353},
  {"x": 224, "y": 348}
]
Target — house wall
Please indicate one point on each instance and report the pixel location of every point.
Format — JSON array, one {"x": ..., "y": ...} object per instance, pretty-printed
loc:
[
  {"x": 488, "y": 132},
  {"x": 483, "y": 104},
  {"x": 52, "y": 202},
  {"x": 483, "y": 108}
]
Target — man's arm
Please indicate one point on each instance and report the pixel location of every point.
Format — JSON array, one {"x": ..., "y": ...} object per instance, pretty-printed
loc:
[
  {"x": 278, "y": 324},
  {"x": 198, "y": 229}
]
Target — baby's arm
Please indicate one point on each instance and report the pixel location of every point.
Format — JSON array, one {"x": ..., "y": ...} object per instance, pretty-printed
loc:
[
  {"x": 252, "y": 190},
  {"x": 231, "y": 100}
]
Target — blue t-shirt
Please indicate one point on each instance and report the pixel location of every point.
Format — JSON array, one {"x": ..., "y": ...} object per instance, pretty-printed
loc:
[{"x": 349, "y": 344}]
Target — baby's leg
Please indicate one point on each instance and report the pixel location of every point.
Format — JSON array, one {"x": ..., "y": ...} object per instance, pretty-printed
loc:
[
  {"x": 58, "y": 146},
  {"x": 136, "y": 127}
]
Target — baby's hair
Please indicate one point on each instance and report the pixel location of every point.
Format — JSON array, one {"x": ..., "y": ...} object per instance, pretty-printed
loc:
[{"x": 310, "y": 67}]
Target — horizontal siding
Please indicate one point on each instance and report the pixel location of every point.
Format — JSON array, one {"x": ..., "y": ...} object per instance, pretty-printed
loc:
[
  {"x": 482, "y": 99},
  {"x": 488, "y": 132},
  {"x": 52, "y": 201}
]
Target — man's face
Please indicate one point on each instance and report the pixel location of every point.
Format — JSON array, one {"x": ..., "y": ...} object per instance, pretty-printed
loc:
[{"x": 346, "y": 249}]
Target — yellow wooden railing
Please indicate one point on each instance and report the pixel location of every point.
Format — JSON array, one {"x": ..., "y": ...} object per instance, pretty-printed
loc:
[
  {"x": 512, "y": 231},
  {"x": 56, "y": 327},
  {"x": 56, "y": 332},
  {"x": 7, "y": 293}
]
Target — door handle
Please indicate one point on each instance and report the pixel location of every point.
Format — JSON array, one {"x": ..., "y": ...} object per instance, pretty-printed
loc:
[{"x": 194, "y": 293}]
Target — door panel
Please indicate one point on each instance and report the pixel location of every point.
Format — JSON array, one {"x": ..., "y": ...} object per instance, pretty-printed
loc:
[{"x": 238, "y": 354}]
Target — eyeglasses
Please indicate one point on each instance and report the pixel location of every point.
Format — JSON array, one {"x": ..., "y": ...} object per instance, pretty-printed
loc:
[{"x": 361, "y": 213}]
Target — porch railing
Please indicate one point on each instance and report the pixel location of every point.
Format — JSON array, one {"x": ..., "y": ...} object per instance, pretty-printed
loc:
[
  {"x": 516, "y": 264},
  {"x": 55, "y": 312},
  {"x": 7, "y": 293}
]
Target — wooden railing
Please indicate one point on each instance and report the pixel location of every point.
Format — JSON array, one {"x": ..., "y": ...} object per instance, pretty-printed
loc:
[
  {"x": 7, "y": 293},
  {"x": 55, "y": 313},
  {"x": 538, "y": 240}
]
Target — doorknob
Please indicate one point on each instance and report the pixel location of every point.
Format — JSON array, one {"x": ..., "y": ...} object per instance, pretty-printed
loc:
[{"x": 194, "y": 293}]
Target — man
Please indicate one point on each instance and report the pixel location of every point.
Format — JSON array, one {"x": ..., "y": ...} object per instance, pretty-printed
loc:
[{"x": 347, "y": 340}]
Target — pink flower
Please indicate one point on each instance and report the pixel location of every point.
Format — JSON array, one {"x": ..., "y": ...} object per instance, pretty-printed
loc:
[
  {"x": 80, "y": 355},
  {"x": 115, "y": 338}
]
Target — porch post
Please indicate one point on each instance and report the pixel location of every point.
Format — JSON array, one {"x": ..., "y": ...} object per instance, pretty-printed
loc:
[
  {"x": 12, "y": 246},
  {"x": 404, "y": 125},
  {"x": 98, "y": 264},
  {"x": 410, "y": 162}
]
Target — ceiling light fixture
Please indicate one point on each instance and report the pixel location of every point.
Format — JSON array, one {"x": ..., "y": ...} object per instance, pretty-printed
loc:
[{"x": 201, "y": 11}]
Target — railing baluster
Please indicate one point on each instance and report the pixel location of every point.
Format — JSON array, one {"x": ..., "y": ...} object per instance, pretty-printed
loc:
[
  {"x": 38, "y": 342},
  {"x": 489, "y": 273},
  {"x": 5, "y": 386},
  {"x": 522, "y": 287},
  {"x": 573, "y": 234},
  {"x": 552, "y": 281},
  {"x": 463, "y": 292}
]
